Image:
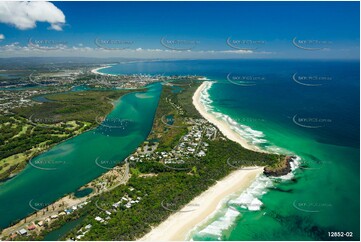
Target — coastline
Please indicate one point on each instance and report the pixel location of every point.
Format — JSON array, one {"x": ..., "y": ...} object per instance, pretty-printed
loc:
[
  {"x": 222, "y": 126},
  {"x": 178, "y": 225},
  {"x": 96, "y": 70},
  {"x": 67, "y": 201}
]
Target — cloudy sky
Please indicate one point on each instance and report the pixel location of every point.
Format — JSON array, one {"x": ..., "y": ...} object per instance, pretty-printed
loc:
[{"x": 191, "y": 30}]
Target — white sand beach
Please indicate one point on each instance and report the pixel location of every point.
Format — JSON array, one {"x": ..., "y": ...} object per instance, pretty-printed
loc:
[
  {"x": 96, "y": 70},
  {"x": 220, "y": 124},
  {"x": 178, "y": 225}
]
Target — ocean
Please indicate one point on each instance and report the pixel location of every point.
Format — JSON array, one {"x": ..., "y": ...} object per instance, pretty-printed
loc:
[{"x": 307, "y": 108}]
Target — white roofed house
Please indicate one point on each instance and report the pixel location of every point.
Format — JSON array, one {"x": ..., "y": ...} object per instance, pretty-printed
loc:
[{"x": 22, "y": 232}]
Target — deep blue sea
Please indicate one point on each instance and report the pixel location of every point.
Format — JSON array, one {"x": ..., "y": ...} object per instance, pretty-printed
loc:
[{"x": 307, "y": 108}]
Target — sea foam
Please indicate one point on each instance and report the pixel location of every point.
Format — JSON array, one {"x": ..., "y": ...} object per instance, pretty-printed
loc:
[
  {"x": 222, "y": 223},
  {"x": 248, "y": 200},
  {"x": 251, "y": 136}
]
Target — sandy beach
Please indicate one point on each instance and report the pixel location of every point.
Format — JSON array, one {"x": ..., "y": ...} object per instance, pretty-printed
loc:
[
  {"x": 220, "y": 124},
  {"x": 96, "y": 70},
  {"x": 178, "y": 225}
]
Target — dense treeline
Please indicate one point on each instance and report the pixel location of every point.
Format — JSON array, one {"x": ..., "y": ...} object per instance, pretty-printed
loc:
[
  {"x": 81, "y": 106},
  {"x": 185, "y": 100},
  {"x": 167, "y": 135}
]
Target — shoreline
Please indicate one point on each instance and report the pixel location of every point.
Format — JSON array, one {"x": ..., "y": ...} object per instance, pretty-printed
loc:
[
  {"x": 67, "y": 201},
  {"x": 222, "y": 126},
  {"x": 96, "y": 71},
  {"x": 178, "y": 225}
]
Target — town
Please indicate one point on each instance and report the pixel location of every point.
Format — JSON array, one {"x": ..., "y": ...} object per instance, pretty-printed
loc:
[
  {"x": 191, "y": 145},
  {"x": 31, "y": 88}
]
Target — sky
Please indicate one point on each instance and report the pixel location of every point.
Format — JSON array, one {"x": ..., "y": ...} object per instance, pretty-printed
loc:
[{"x": 181, "y": 30}]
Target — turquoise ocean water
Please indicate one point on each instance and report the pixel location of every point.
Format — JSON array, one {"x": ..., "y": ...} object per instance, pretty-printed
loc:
[{"x": 306, "y": 108}]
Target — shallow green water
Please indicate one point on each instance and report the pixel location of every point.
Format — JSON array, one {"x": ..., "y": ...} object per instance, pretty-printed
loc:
[
  {"x": 323, "y": 196},
  {"x": 83, "y": 192},
  {"x": 77, "y": 161},
  {"x": 63, "y": 230}
]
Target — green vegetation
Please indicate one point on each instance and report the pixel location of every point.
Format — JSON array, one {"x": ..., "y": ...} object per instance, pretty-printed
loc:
[
  {"x": 32, "y": 130},
  {"x": 167, "y": 135},
  {"x": 168, "y": 190},
  {"x": 80, "y": 106},
  {"x": 160, "y": 190}
]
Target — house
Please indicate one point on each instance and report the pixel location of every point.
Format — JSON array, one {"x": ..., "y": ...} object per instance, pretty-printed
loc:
[
  {"x": 13, "y": 236},
  {"x": 99, "y": 219},
  {"x": 116, "y": 205},
  {"x": 80, "y": 236},
  {"x": 31, "y": 227},
  {"x": 201, "y": 153},
  {"x": 68, "y": 211},
  {"x": 22, "y": 232}
]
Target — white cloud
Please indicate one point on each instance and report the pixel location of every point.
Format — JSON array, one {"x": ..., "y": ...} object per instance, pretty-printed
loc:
[
  {"x": 2, "y": 37},
  {"x": 24, "y": 15}
]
